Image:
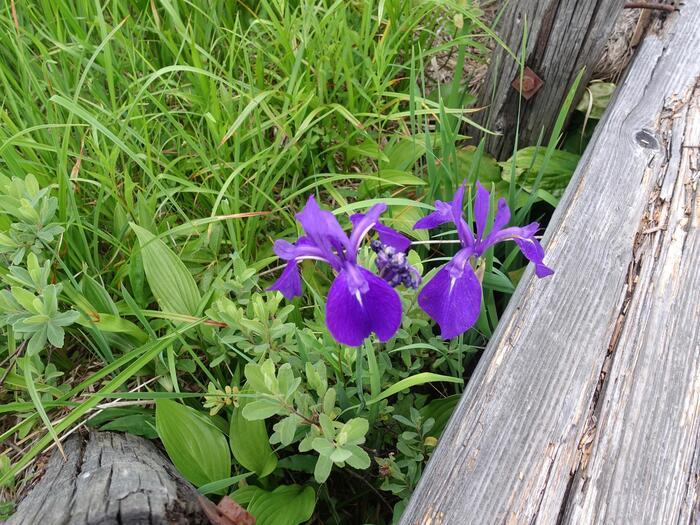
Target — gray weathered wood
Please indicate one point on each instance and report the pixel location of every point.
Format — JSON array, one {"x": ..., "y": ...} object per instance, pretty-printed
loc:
[
  {"x": 585, "y": 407},
  {"x": 109, "y": 478},
  {"x": 563, "y": 37}
]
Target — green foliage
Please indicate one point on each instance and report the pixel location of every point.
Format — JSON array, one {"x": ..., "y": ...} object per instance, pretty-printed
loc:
[
  {"x": 31, "y": 211},
  {"x": 595, "y": 99},
  {"x": 250, "y": 442},
  {"x": 31, "y": 309},
  {"x": 286, "y": 505},
  {"x": 529, "y": 163},
  {"x": 171, "y": 282},
  {"x": 197, "y": 448}
]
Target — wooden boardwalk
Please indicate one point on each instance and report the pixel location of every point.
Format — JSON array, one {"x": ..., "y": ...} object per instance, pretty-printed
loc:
[{"x": 585, "y": 407}]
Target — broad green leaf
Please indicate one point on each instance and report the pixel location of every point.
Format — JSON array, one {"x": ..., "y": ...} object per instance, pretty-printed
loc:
[
  {"x": 286, "y": 505},
  {"x": 358, "y": 459},
  {"x": 285, "y": 429},
  {"x": 139, "y": 424},
  {"x": 114, "y": 324},
  {"x": 250, "y": 443},
  {"x": 368, "y": 149},
  {"x": 487, "y": 170},
  {"x": 261, "y": 378},
  {"x": 261, "y": 409},
  {"x": 339, "y": 455},
  {"x": 353, "y": 432},
  {"x": 169, "y": 279},
  {"x": 197, "y": 448},
  {"x": 596, "y": 98},
  {"x": 324, "y": 464},
  {"x": 556, "y": 173}
]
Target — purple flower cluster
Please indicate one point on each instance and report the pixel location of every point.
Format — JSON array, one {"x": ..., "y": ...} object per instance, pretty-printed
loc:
[{"x": 360, "y": 302}]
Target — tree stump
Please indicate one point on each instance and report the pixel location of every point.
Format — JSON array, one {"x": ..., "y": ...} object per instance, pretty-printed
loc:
[
  {"x": 563, "y": 36},
  {"x": 109, "y": 478}
]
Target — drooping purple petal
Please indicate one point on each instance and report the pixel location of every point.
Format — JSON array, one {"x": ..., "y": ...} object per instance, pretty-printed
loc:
[
  {"x": 352, "y": 315},
  {"x": 533, "y": 250},
  {"x": 525, "y": 239},
  {"x": 323, "y": 229},
  {"x": 304, "y": 248},
  {"x": 482, "y": 203},
  {"x": 452, "y": 299},
  {"x": 391, "y": 237},
  {"x": 441, "y": 215},
  {"x": 508, "y": 234},
  {"x": 289, "y": 282}
]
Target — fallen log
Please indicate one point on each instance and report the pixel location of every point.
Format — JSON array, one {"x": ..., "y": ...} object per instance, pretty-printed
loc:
[
  {"x": 585, "y": 407},
  {"x": 109, "y": 478}
]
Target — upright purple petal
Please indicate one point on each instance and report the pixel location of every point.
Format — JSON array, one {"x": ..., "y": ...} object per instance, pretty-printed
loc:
[
  {"x": 322, "y": 228},
  {"x": 362, "y": 223},
  {"x": 388, "y": 236},
  {"x": 289, "y": 282},
  {"x": 441, "y": 215},
  {"x": 502, "y": 216},
  {"x": 482, "y": 203},
  {"x": 452, "y": 299},
  {"x": 463, "y": 232},
  {"x": 352, "y": 315}
]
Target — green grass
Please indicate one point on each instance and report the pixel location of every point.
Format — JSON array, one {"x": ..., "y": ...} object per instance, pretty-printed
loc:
[{"x": 176, "y": 139}]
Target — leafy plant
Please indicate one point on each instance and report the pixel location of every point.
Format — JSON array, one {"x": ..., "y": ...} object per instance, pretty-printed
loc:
[
  {"x": 32, "y": 211},
  {"x": 197, "y": 448}
]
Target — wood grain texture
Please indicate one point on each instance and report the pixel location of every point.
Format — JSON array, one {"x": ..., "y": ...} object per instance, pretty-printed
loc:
[
  {"x": 585, "y": 407},
  {"x": 563, "y": 37},
  {"x": 109, "y": 478}
]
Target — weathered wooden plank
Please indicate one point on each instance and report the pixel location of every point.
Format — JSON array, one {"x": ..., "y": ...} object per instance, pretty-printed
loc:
[
  {"x": 109, "y": 478},
  {"x": 585, "y": 407},
  {"x": 563, "y": 37},
  {"x": 647, "y": 432}
]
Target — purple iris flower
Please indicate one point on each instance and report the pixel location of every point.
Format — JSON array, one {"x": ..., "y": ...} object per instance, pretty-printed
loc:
[
  {"x": 359, "y": 302},
  {"x": 453, "y": 296}
]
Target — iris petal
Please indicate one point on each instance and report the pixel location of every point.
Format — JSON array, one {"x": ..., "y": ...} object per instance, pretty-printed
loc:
[
  {"x": 441, "y": 215},
  {"x": 289, "y": 282},
  {"x": 391, "y": 237},
  {"x": 352, "y": 316},
  {"x": 502, "y": 217},
  {"x": 304, "y": 248},
  {"x": 362, "y": 223},
  {"x": 533, "y": 250},
  {"x": 482, "y": 202},
  {"x": 465, "y": 235},
  {"x": 388, "y": 236},
  {"x": 452, "y": 300},
  {"x": 322, "y": 228}
]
